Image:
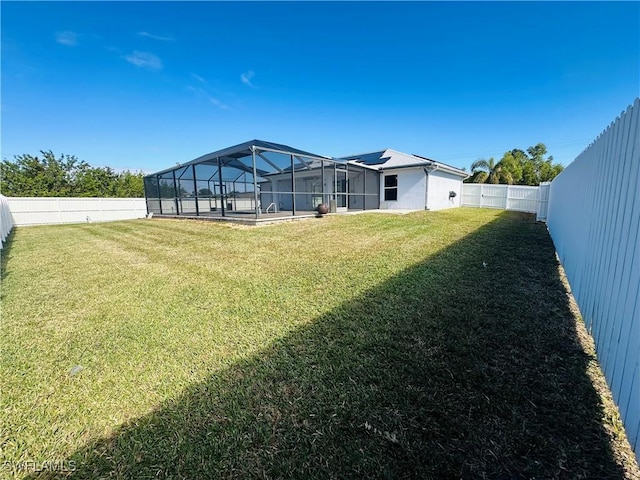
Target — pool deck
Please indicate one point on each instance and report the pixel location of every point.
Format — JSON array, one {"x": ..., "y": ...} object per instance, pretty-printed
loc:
[{"x": 268, "y": 218}]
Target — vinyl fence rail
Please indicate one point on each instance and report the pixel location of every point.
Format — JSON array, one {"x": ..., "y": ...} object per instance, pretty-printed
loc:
[
  {"x": 520, "y": 198},
  {"x": 52, "y": 210},
  {"x": 593, "y": 219},
  {"x": 6, "y": 220}
]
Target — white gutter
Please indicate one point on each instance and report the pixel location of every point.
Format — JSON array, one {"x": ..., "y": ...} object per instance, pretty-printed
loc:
[{"x": 426, "y": 183}]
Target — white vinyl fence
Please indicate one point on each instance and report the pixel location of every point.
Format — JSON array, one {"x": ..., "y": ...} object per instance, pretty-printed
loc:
[
  {"x": 50, "y": 210},
  {"x": 593, "y": 218},
  {"x": 506, "y": 197},
  {"x": 543, "y": 201},
  {"x": 6, "y": 221}
]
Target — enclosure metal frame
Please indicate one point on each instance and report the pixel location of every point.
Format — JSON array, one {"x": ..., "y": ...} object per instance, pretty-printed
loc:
[{"x": 253, "y": 149}]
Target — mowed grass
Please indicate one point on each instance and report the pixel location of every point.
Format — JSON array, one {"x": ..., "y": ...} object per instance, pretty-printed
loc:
[{"x": 429, "y": 345}]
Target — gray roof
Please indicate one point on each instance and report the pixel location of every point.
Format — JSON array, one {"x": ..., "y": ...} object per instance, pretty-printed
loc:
[
  {"x": 229, "y": 156},
  {"x": 380, "y": 160},
  {"x": 390, "y": 159}
]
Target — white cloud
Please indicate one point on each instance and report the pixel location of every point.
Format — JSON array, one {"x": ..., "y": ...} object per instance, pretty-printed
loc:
[
  {"x": 144, "y": 60},
  {"x": 204, "y": 94},
  {"x": 198, "y": 78},
  {"x": 217, "y": 103},
  {"x": 156, "y": 37},
  {"x": 246, "y": 78},
  {"x": 68, "y": 38}
]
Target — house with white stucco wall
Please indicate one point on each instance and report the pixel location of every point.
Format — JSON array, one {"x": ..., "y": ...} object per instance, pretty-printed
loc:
[
  {"x": 412, "y": 182},
  {"x": 261, "y": 180}
]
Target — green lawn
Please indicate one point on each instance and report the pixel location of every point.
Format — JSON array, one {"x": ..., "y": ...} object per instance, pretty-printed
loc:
[{"x": 366, "y": 346}]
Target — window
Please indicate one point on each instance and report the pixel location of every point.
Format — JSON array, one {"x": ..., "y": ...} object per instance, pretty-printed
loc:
[{"x": 390, "y": 188}]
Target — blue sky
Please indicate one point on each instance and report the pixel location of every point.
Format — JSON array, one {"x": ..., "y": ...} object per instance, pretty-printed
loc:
[{"x": 143, "y": 85}]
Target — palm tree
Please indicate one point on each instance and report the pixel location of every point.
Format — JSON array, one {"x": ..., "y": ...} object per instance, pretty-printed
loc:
[{"x": 490, "y": 171}]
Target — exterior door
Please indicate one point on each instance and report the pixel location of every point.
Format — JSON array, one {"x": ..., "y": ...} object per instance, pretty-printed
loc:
[{"x": 341, "y": 189}]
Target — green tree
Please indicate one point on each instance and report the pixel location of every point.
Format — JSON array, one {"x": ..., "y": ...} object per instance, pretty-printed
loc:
[
  {"x": 488, "y": 171},
  {"x": 95, "y": 182},
  {"x": 538, "y": 168},
  {"x": 517, "y": 167},
  {"x": 549, "y": 171},
  {"x": 513, "y": 161},
  {"x": 129, "y": 184},
  {"x": 64, "y": 176},
  {"x": 30, "y": 176}
]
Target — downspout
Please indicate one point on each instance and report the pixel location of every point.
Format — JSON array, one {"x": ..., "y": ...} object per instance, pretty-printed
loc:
[{"x": 426, "y": 185}]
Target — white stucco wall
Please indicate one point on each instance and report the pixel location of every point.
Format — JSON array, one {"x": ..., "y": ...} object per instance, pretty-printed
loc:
[
  {"x": 411, "y": 189},
  {"x": 440, "y": 184}
]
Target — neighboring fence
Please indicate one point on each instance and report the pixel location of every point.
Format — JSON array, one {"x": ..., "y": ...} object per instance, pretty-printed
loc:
[
  {"x": 506, "y": 197},
  {"x": 50, "y": 210},
  {"x": 594, "y": 213},
  {"x": 6, "y": 221}
]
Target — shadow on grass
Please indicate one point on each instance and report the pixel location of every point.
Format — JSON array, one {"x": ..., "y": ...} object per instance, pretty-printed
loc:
[
  {"x": 451, "y": 369},
  {"x": 5, "y": 253}
]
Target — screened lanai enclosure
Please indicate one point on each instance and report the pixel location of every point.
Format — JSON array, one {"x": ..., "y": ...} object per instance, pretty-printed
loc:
[{"x": 259, "y": 179}]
